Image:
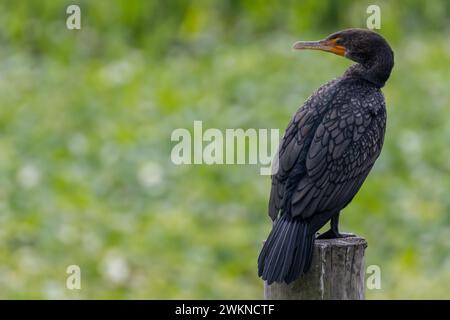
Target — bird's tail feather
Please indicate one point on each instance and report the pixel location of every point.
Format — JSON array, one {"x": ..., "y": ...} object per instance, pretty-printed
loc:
[{"x": 287, "y": 253}]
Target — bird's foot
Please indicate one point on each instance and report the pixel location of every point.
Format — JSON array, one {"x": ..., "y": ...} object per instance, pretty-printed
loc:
[{"x": 331, "y": 234}]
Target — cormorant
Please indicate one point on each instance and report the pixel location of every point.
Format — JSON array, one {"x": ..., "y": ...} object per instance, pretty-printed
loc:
[{"x": 326, "y": 153}]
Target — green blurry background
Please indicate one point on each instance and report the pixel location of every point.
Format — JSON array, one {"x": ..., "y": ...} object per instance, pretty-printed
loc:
[{"x": 85, "y": 124}]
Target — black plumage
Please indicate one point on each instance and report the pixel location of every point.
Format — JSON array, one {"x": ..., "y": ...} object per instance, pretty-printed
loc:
[{"x": 327, "y": 151}]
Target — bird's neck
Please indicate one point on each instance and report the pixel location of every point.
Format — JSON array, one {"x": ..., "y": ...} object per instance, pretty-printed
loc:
[{"x": 376, "y": 71}]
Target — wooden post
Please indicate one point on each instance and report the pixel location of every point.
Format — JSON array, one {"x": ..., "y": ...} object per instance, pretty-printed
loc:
[{"x": 337, "y": 272}]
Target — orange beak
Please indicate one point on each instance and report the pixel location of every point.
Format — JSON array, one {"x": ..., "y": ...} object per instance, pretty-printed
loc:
[{"x": 323, "y": 45}]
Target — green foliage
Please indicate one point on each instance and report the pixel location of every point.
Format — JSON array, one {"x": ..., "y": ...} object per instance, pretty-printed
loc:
[{"x": 85, "y": 129}]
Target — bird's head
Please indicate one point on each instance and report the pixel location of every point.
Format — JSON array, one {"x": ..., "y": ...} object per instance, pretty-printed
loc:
[{"x": 365, "y": 47}]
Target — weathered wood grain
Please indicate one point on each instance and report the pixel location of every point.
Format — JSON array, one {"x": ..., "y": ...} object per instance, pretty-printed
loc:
[{"x": 337, "y": 272}]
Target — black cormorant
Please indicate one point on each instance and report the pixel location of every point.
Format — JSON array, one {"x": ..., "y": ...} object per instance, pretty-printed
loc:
[{"x": 326, "y": 153}]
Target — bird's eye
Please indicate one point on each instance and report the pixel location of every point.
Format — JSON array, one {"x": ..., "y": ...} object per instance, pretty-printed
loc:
[{"x": 338, "y": 40}]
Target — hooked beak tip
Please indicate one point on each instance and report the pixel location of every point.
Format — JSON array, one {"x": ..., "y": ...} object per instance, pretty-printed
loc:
[{"x": 323, "y": 45}]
